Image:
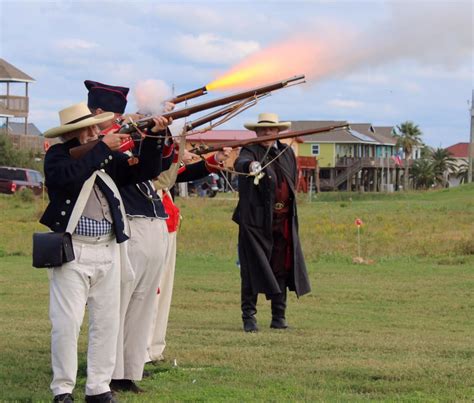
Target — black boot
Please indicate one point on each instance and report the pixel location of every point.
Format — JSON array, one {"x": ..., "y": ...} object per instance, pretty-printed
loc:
[
  {"x": 125, "y": 385},
  {"x": 105, "y": 397},
  {"x": 278, "y": 310},
  {"x": 63, "y": 398},
  {"x": 249, "y": 309}
]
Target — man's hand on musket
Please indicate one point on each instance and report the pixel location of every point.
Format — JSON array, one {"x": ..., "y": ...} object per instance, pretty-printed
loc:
[
  {"x": 114, "y": 140},
  {"x": 161, "y": 123},
  {"x": 189, "y": 157},
  {"x": 223, "y": 155}
]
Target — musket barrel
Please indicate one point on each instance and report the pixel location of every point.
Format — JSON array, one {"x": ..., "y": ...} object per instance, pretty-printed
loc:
[
  {"x": 208, "y": 118},
  {"x": 215, "y": 115},
  {"x": 188, "y": 95},
  {"x": 184, "y": 112}
]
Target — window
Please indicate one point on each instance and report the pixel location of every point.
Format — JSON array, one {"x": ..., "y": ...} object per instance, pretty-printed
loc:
[
  {"x": 314, "y": 149},
  {"x": 13, "y": 174}
]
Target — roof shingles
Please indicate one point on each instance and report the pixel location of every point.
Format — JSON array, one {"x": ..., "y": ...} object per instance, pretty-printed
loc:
[{"x": 9, "y": 73}]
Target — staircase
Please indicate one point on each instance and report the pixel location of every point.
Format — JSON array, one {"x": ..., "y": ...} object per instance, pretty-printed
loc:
[{"x": 349, "y": 172}]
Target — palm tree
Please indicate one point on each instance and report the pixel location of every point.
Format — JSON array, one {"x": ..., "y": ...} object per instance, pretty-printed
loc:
[
  {"x": 408, "y": 137},
  {"x": 422, "y": 173},
  {"x": 443, "y": 164},
  {"x": 426, "y": 152},
  {"x": 463, "y": 171}
]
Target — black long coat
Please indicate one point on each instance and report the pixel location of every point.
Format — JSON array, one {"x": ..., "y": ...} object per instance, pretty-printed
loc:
[{"x": 254, "y": 215}]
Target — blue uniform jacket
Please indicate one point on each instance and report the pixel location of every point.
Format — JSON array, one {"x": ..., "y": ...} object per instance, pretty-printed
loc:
[
  {"x": 65, "y": 176},
  {"x": 142, "y": 200}
]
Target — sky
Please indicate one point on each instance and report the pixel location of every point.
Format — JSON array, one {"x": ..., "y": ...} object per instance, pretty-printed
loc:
[{"x": 379, "y": 62}]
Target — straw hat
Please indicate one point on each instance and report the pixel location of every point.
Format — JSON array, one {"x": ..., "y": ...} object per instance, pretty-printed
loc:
[
  {"x": 268, "y": 120},
  {"x": 76, "y": 117}
]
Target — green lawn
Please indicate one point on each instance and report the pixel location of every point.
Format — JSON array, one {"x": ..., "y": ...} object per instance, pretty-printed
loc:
[{"x": 399, "y": 329}]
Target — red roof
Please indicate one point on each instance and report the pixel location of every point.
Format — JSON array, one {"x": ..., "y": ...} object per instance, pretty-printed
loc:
[
  {"x": 459, "y": 150},
  {"x": 222, "y": 135}
]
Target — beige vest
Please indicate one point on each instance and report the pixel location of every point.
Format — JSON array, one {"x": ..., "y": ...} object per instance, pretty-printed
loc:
[{"x": 97, "y": 207}]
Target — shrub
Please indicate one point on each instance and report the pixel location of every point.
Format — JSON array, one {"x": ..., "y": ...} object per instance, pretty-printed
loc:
[
  {"x": 465, "y": 247},
  {"x": 25, "y": 195}
]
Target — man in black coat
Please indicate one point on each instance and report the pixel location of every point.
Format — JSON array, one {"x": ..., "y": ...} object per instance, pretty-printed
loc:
[{"x": 271, "y": 259}]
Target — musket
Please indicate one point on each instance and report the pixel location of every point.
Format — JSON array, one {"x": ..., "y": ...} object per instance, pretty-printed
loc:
[
  {"x": 184, "y": 112},
  {"x": 142, "y": 124},
  {"x": 204, "y": 149},
  {"x": 234, "y": 107},
  {"x": 188, "y": 95}
]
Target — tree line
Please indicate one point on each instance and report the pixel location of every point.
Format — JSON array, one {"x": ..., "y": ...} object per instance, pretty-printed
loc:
[
  {"x": 434, "y": 166},
  {"x": 12, "y": 156}
]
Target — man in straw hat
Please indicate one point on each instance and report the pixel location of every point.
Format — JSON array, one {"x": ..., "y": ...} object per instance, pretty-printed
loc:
[
  {"x": 100, "y": 263},
  {"x": 271, "y": 259}
]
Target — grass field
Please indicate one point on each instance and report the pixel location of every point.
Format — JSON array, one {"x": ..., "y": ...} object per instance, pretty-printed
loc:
[{"x": 400, "y": 329}]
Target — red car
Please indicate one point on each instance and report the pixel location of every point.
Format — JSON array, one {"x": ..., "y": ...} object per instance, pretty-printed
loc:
[{"x": 13, "y": 180}]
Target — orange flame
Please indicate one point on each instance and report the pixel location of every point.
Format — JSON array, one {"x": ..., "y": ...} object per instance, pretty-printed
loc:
[{"x": 298, "y": 55}]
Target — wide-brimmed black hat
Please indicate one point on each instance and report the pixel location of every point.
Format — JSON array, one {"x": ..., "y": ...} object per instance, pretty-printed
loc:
[{"x": 109, "y": 98}]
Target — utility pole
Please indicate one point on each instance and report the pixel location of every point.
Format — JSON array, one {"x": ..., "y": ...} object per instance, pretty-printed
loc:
[{"x": 471, "y": 144}]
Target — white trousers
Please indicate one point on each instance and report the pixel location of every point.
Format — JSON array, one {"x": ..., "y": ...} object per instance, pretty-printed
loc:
[
  {"x": 93, "y": 278},
  {"x": 157, "y": 332},
  {"x": 147, "y": 249}
]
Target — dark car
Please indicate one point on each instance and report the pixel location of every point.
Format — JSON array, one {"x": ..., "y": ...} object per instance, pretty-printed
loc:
[
  {"x": 13, "y": 180},
  {"x": 204, "y": 187}
]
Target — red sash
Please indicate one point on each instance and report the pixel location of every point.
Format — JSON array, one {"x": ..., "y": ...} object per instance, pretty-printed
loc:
[{"x": 173, "y": 212}]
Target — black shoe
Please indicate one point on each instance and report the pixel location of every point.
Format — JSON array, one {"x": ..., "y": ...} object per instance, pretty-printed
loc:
[
  {"x": 125, "y": 385},
  {"x": 147, "y": 374},
  {"x": 106, "y": 397},
  {"x": 63, "y": 398},
  {"x": 279, "y": 323},
  {"x": 250, "y": 326}
]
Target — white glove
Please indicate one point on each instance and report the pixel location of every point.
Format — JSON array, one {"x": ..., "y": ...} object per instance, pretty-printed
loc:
[{"x": 255, "y": 168}]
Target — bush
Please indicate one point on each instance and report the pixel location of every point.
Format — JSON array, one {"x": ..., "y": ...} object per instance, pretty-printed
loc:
[
  {"x": 13, "y": 157},
  {"x": 25, "y": 195}
]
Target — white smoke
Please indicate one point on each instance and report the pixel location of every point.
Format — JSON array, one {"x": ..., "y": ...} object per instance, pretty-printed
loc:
[
  {"x": 150, "y": 96},
  {"x": 429, "y": 33}
]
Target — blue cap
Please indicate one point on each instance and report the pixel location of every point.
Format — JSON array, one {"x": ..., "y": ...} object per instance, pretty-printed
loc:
[{"x": 109, "y": 98}]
